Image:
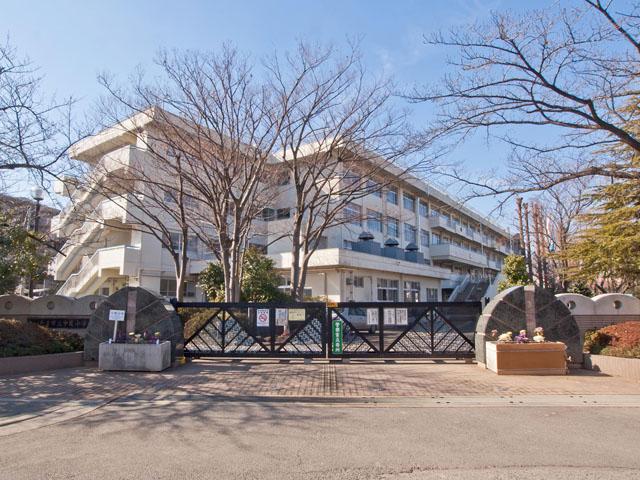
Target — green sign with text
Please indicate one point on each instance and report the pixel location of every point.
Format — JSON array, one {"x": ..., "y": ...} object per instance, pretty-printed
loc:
[{"x": 336, "y": 336}]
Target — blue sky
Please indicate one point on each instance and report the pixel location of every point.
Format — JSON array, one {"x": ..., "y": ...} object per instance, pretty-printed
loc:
[{"x": 73, "y": 41}]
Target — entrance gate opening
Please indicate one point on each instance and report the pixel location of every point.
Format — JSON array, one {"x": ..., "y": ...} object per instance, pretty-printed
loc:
[{"x": 349, "y": 329}]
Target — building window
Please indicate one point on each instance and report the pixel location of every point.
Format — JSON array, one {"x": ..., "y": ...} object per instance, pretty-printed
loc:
[
  {"x": 424, "y": 209},
  {"x": 358, "y": 282},
  {"x": 393, "y": 227},
  {"x": 409, "y": 233},
  {"x": 436, "y": 239},
  {"x": 409, "y": 202},
  {"x": 374, "y": 188},
  {"x": 176, "y": 243},
  {"x": 435, "y": 213},
  {"x": 392, "y": 195},
  {"x": 168, "y": 287},
  {"x": 323, "y": 242},
  {"x": 283, "y": 213},
  {"x": 353, "y": 214},
  {"x": 268, "y": 214},
  {"x": 431, "y": 295},
  {"x": 411, "y": 291},
  {"x": 374, "y": 221},
  {"x": 189, "y": 289},
  {"x": 424, "y": 238},
  {"x": 387, "y": 290}
]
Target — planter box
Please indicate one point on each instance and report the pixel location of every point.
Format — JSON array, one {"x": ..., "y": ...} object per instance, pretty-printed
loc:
[
  {"x": 527, "y": 358},
  {"x": 615, "y": 366},
  {"x": 36, "y": 363},
  {"x": 139, "y": 357}
]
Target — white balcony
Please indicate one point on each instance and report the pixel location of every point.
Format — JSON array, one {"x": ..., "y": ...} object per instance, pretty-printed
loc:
[
  {"x": 447, "y": 251},
  {"x": 123, "y": 258},
  {"x": 450, "y": 226},
  {"x": 111, "y": 162}
]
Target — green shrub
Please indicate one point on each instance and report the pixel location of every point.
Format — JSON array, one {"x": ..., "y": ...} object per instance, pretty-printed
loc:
[
  {"x": 595, "y": 341},
  {"x": 25, "y": 338}
]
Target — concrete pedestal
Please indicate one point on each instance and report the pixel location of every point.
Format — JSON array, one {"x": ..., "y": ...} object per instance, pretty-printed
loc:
[
  {"x": 139, "y": 357},
  {"x": 527, "y": 358}
]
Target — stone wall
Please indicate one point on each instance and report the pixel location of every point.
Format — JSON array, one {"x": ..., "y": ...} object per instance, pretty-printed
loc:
[
  {"x": 54, "y": 311},
  {"x": 520, "y": 308},
  {"x": 144, "y": 312}
]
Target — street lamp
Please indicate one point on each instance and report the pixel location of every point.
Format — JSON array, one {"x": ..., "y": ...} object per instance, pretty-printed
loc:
[{"x": 38, "y": 195}]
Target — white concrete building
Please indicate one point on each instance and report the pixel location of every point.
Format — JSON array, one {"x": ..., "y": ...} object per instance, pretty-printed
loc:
[
  {"x": 406, "y": 242},
  {"x": 424, "y": 244}
]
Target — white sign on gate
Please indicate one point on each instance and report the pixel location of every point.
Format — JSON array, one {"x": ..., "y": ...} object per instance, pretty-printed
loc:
[
  {"x": 372, "y": 316},
  {"x": 262, "y": 317},
  {"x": 402, "y": 318},
  {"x": 281, "y": 316},
  {"x": 389, "y": 316}
]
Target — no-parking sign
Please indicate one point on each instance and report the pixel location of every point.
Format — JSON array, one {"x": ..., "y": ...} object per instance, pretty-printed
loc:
[{"x": 262, "y": 317}]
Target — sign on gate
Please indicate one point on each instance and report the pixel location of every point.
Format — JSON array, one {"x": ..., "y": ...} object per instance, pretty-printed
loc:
[
  {"x": 281, "y": 317},
  {"x": 402, "y": 318},
  {"x": 389, "y": 316},
  {"x": 336, "y": 337},
  {"x": 262, "y": 317}
]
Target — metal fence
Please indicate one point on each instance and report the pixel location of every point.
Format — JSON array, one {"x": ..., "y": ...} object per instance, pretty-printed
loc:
[{"x": 349, "y": 329}]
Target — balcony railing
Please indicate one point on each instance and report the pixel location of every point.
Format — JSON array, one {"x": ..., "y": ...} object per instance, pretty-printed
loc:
[
  {"x": 447, "y": 251},
  {"x": 113, "y": 257}
]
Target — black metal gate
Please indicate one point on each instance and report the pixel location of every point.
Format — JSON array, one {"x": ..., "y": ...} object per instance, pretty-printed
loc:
[
  {"x": 423, "y": 329},
  {"x": 253, "y": 329},
  {"x": 366, "y": 329}
]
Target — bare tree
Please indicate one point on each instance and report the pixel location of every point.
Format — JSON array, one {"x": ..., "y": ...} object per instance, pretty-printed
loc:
[
  {"x": 35, "y": 133},
  {"x": 338, "y": 138},
  {"x": 219, "y": 121},
  {"x": 561, "y": 208},
  {"x": 571, "y": 71}
]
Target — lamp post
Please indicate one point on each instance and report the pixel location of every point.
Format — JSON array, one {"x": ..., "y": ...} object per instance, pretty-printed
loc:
[{"x": 38, "y": 195}]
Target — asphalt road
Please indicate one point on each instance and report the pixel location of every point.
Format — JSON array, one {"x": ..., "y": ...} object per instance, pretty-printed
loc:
[{"x": 209, "y": 438}]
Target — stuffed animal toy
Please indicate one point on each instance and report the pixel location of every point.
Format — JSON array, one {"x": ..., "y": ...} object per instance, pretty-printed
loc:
[
  {"x": 506, "y": 337},
  {"x": 538, "y": 335}
]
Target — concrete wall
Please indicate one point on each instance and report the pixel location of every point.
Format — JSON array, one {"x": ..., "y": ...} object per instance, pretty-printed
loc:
[{"x": 601, "y": 310}]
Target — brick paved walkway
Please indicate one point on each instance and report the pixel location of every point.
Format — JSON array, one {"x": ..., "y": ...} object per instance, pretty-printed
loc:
[{"x": 297, "y": 379}]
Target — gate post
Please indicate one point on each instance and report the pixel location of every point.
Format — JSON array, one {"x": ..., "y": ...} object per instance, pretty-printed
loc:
[
  {"x": 325, "y": 330},
  {"x": 381, "y": 331}
]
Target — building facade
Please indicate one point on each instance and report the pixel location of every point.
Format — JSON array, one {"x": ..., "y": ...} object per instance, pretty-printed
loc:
[{"x": 407, "y": 241}]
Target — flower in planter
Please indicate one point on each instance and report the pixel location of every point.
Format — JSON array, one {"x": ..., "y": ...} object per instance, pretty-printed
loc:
[
  {"x": 506, "y": 337},
  {"x": 538, "y": 335},
  {"x": 522, "y": 337}
]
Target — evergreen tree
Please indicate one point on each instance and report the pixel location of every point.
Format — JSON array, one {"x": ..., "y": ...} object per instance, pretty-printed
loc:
[
  {"x": 514, "y": 271},
  {"x": 259, "y": 279},
  {"x": 21, "y": 256},
  {"x": 606, "y": 251}
]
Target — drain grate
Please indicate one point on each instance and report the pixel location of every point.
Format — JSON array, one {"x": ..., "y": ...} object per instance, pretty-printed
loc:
[{"x": 329, "y": 379}]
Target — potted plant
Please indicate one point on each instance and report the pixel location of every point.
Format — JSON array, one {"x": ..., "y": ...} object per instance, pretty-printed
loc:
[
  {"x": 524, "y": 356},
  {"x": 142, "y": 352}
]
